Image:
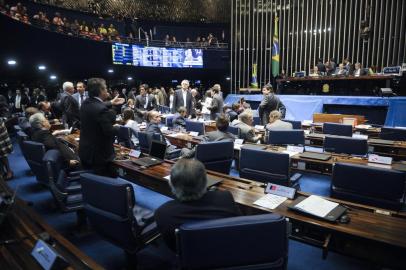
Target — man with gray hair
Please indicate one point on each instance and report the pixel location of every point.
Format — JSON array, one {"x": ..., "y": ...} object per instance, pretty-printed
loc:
[
  {"x": 192, "y": 202},
  {"x": 183, "y": 97},
  {"x": 41, "y": 133},
  {"x": 244, "y": 123},
  {"x": 68, "y": 105}
]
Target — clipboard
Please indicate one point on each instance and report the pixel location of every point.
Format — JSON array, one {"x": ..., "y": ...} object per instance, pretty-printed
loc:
[{"x": 332, "y": 216}]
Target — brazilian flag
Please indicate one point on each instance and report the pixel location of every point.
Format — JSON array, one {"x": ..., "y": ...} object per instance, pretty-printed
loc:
[
  {"x": 254, "y": 81},
  {"x": 275, "y": 49}
]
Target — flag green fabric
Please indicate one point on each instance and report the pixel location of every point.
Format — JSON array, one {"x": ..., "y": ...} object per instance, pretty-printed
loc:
[
  {"x": 275, "y": 49},
  {"x": 254, "y": 81}
]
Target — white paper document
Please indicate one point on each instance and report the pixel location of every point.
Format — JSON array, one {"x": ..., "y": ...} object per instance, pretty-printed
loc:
[
  {"x": 291, "y": 153},
  {"x": 316, "y": 206},
  {"x": 270, "y": 201},
  {"x": 363, "y": 126}
]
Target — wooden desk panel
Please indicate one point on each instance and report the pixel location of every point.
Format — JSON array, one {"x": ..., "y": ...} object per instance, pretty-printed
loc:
[{"x": 23, "y": 223}]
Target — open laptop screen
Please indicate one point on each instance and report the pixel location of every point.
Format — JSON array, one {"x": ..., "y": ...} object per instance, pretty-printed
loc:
[{"x": 158, "y": 149}]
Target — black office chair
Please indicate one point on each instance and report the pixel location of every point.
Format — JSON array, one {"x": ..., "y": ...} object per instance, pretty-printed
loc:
[
  {"x": 379, "y": 187},
  {"x": 346, "y": 145},
  {"x": 234, "y": 130},
  {"x": 124, "y": 137},
  {"x": 143, "y": 142},
  {"x": 284, "y": 137},
  {"x": 337, "y": 129},
  {"x": 34, "y": 153},
  {"x": 395, "y": 134},
  {"x": 195, "y": 126},
  {"x": 208, "y": 244},
  {"x": 216, "y": 156},
  {"x": 295, "y": 124},
  {"x": 114, "y": 215},
  {"x": 265, "y": 166}
]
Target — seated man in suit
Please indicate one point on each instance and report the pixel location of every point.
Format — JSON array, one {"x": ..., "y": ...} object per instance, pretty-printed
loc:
[
  {"x": 341, "y": 70},
  {"x": 221, "y": 134},
  {"x": 244, "y": 123},
  {"x": 275, "y": 122},
  {"x": 41, "y": 134},
  {"x": 192, "y": 200},
  {"x": 154, "y": 119},
  {"x": 359, "y": 71},
  {"x": 233, "y": 111},
  {"x": 24, "y": 122},
  {"x": 179, "y": 120}
]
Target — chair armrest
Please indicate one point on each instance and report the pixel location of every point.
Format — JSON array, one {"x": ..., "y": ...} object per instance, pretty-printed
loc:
[{"x": 77, "y": 173}]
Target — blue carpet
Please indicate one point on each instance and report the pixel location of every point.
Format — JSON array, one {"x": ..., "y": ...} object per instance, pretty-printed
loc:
[{"x": 301, "y": 256}]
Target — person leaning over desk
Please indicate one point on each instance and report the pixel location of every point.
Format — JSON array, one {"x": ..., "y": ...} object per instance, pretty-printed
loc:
[{"x": 269, "y": 103}]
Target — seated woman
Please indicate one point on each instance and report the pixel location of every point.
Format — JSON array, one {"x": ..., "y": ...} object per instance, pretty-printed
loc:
[
  {"x": 129, "y": 121},
  {"x": 315, "y": 72},
  {"x": 40, "y": 133},
  {"x": 275, "y": 122}
]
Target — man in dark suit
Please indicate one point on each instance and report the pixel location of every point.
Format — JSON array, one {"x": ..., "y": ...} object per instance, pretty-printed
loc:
[
  {"x": 81, "y": 95},
  {"x": 320, "y": 65},
  {"x": 144, "y": 102},
  {"x": 192, "y": 200},
  {"x": 68, "y": 105},
  {"x": 97, "y": 132},
  {"x": 269, "y": 103},
  {"x": 40, "y": 133},
  {"x": 179, "y": 120},
  {"x": 183, "y": 98},
  {"x": 216, "y": 105},
  {"x": 20, "y": 101},
  {"x": 359, "y": 71}
]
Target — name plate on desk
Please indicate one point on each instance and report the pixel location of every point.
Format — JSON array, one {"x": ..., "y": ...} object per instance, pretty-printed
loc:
[
  {"x": 259, "y": 127},
  {"x": 134, "y": 153},
  {"x": 164, "y": 129},
  {"x": 47, "y": 257},
  {"x": 292, "y": 148},
  {"x": 360, "y": 136},
  {"x": 280, "y": 190},
  {"x": 239, "y": 141},
  {"x": 379, "y": 159}
]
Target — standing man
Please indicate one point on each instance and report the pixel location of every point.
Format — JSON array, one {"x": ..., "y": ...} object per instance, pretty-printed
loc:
[
  {"x": 183, "y": 98},
  {"x": 144, "y": 101},
  {"x": 20, "y": 101},
  {"x": 270, "y": 102},
  {"x": 81, "y": 94},
  {"x": 97, "y": 132},
  {"x": 68, "y": 105},
  {"x": 217, "y": 104}
]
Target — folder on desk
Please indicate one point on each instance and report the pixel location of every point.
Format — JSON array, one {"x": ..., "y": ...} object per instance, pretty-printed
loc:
[{"x": 318, "y": 207}]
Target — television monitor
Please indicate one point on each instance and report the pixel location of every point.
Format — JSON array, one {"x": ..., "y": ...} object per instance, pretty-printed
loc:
[{"x": 142, "y": 56}]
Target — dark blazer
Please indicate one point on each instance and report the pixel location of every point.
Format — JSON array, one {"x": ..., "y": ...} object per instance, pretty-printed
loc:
[
  {"x": 140, "y": 103},
  {"x": 178, "y": 101},
  {"x": 24, "y": 102},
  {"x": 214, "y": 204},
  {"x": 69, "y": 108},
  {"x": 51, "y": 142},
  {"x": 268, "y": 104},
  {"x": 76, "y": 96},
  {"x": 217, "y": 135},
  {"x": 216, "y": 106},
  {"x": 178, "y": 121},
  {"x": 152, "y": 129},
  {"x": 97, "y": 133},
  {"x": 362, "y": 72}
]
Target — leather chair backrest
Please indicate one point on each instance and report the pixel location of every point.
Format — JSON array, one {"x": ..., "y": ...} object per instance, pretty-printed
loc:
[
  {"x": 383, "y": 188},
  {"x": 295, "y": 124},
  {"x": 337, "y": 129},
  {"x": 395, "y": 134},
  {"x": 346, "y": 145},
  {"x": 34, "y": 153},
  {"x": 21, "y": 137},
  {"x": 124, "y": 136},
  {"x": 264, "y": 166},
  {"x": 111, "y": 214},
  {"x": 169, "y": 121},
  {"x": 143, "y": 141},
  {"x": 195, "y": 126},
  {"x": 234, "y": 130},
  {"x": 216, "y": 156},
  {"x": 255, "y": 242},
  {"x": 293, "y": 136}
]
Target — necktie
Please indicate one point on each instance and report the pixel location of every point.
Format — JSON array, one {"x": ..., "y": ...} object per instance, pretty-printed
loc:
[{"x": 81, "y": 99}]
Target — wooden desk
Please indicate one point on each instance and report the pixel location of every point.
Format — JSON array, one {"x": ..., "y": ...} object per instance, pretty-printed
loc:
[
  {"x": 23, "y": 223},
  {"x": 336, "y": 118},
  {"x": 383, "y": 235}
]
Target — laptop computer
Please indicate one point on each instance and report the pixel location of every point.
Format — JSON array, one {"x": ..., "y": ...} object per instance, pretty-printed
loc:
[
  {"x": 156, "y": 156},
  {"x": 316, "y": 156}
]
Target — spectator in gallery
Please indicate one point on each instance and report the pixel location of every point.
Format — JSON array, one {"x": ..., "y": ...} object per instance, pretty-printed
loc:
[
  {"x": 75, "y": 27},
  {"x": 102, "y": 31},
  {"x": 57, "y": 20},
  {"x": 167, "y": 40}
]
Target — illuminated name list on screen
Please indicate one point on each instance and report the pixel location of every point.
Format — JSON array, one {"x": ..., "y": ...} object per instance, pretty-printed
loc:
[{"x": 141, "y": 56}]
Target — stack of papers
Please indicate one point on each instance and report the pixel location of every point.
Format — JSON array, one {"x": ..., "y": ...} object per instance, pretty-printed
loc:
[
  {"x": 270, "y": 201},
  {"x": 316, "y": 206}
]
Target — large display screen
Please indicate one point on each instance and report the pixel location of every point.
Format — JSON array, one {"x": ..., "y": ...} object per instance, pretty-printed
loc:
[{"x": 141, "y": 56}]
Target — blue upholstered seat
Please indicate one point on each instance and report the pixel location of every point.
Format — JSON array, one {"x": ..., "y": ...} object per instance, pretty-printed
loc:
[
  {"x": 383, "y": 188},
  {"x": 124, "y": 136},
  {"x": 34, "y": 153},
  {"x": 395, "y": 134},
  {"x": 195, "y": 126},
  {"x": 216, "y": 156},
  {"x": 245, "y": 242},
  {"x": 346, "y": 145},
  {"x": 337, "y": 129},
  {"x": 284, "y": 137},
  {"x": 295, "y": 124}
]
